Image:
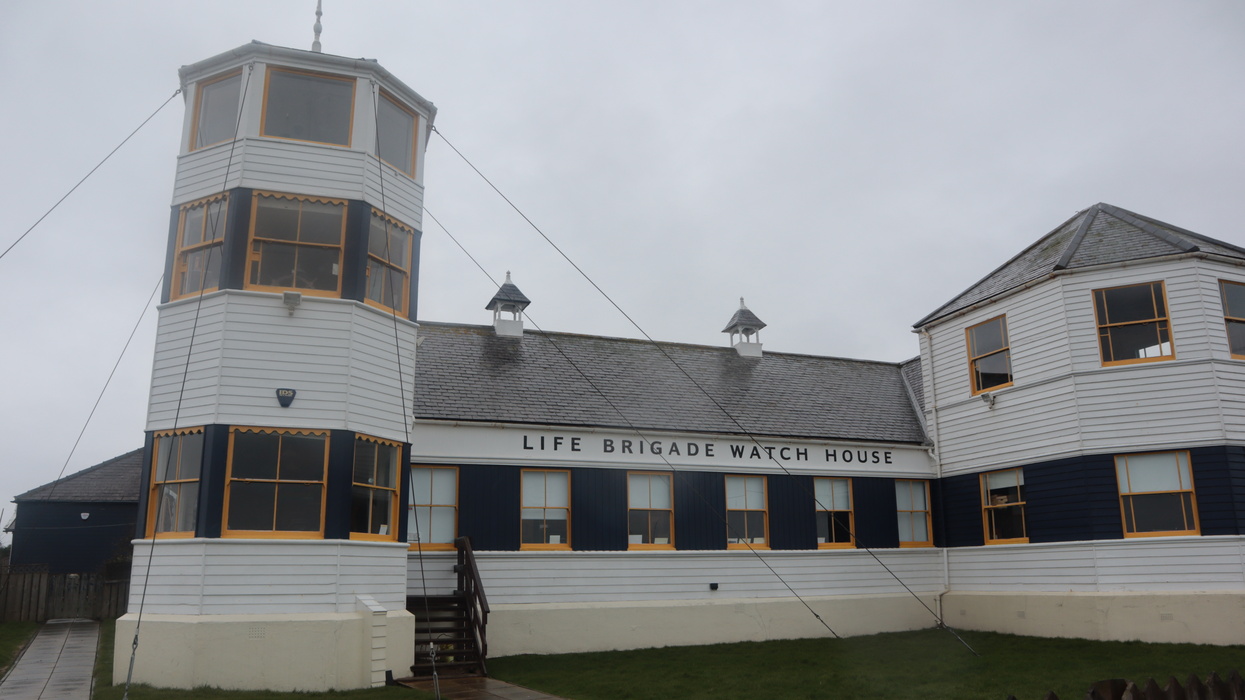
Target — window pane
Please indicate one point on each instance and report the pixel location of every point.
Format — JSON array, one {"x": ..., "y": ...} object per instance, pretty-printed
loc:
[
  {"x": 1127, "y": 304},
  {"x": 218, "y": 110},
  {"x": 419, "y": 527},
  {"x": 298, "y": 507},
  {"x": 842, "y": 526},
  {"x": 988, "y": 337},
  {"x": 903, "y": 495},
  {"x": 321, "y": 223},
  {"x": 251, "y": 505},
  {"x": 1233, "y": 299},
  {"x": 557, "y": 490},
  {"x": 382, "y": 512},
  {"x": 444, "y": 487},
  {"x": 214, "y": 228},
  {"x": 1006, "y": 523},
  {"x": 302, "y": 457},
  {"x": 920, "y": 528},
  {"x": 386, "y": 465},
  {"x": 659, "y": 526},
  {"x": 442, "y": 528},
  {"x": 1005, "y": 480},
  {"x": 736, "y": 526},
  {"x": 1161, "y": 512},
  {"x": 317, "y": 268},
  {"x": 421, "y": 485},
  {"x": 637, "y": 491},
  {"x": 735, "y": 497},
  {"x": 756, "y": 526},
  {"x": 754, "y": 490},
  {"x": 202, "y": 270},
  {"x": 364, "y": 461},
  {"x": 1157, "y": 472},
  {"x": 638, "y": 527},
  {"x": 190, "y": 457},
  {"x": 276, "y": 265},
  {"x": 823, "y": 527},
  {"x": 187, "y": 507},
  {"x": 395, "y": 137},
  {"x": 906, "y": 534},
  {"x": 659, "y": 490},
  {"x": 533, "y": 489},
  {"x": 166, "y": 508},
  {"x": 276, "y": 218},
  {"x": 308, "y": 107},
  {"x": 917, "y": 489},
  {"x": 192, "y": 226},
  {"x": 359, "y": 502},
  {"x": 532, "y": 529},
  {"x": 255, "y": 456},
  {"x": 1236, "y": 337},
  {"x": 164, "y": 456},
  {"x": 993, "y": 370},
  {"x": 1138, "y": 341}
]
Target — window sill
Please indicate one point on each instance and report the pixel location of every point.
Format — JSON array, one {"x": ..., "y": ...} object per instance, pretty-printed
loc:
[
  {"x": 747, "y": 546},
  {"x": 545, "y": 547},
  {"x": 271, "y": 535},
  {"x": 1166, "y": 533},
  {"x": 431, "y": 547},
  {"x": 915, "y": 545},
  {"x": 1140, "y": 361},
  {"x": 1014, "y": 540}
]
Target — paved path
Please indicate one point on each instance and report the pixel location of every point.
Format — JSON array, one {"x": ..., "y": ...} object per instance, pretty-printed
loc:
[
  {"x": 57, "y": 665},
  {"x": 479, "y": 689}
]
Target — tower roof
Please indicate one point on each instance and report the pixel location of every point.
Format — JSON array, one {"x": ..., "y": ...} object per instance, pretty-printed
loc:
[
  {"x": 1100, "y": 235},
  {"x": 508, "y": 295},
  {"x": 743, "y": 318}
]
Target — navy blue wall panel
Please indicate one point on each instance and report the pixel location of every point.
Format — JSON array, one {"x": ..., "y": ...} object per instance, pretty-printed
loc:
[
  {"x": 598, "y": 509},
  {"x": 339, "y": 484},
  {"x": 874, "y": 506},
  {"x": 488, "y": 506},
  {"x": 1219, "y": 482},
  {"x": 792, "y": 512},
  {"x": 354, "y": 253},
  {"x": 212, "y": 484},
  {"x": 1072, "y": 499},
  {"x": 414, "y": 307},
  {"x": 699, "y": 510},
  {"x": 237, "y": 233},
  {"x": 144, "y": 490},
  {"x": 404, "y": 495},
  {"x": 54, "y": 533},
  {"x": 961, "y": 511}
]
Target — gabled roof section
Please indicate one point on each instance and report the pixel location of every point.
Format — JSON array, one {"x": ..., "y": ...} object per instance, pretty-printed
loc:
[
  {"x": 113, "y": 481},
  {"x": 466, "y": 373},
  {"x": 1100, "y": 235}
]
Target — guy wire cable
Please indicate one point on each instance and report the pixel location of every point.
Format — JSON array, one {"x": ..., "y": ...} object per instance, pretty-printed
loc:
[
  {"x": 407, "y": 415},
  {"x": 632, "y": 427},
  {"x": 181, "y": 391},
  {"x": 743, "y": 430},
  {"x": 89, "y": 174}
]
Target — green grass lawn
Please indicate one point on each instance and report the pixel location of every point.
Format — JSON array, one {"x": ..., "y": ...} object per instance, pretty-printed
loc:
[
  {"x": 13, "y": 636},
  {"x": 924, "y": 664}
]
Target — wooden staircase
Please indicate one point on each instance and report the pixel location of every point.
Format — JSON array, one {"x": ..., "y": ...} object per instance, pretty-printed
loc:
[{"x": 450, "y": 629}]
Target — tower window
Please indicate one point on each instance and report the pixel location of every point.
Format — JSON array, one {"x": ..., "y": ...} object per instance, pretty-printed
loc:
[
  {"x": 174, "y": 503},
  {"x": 388, "y": 262},
  {"x": 200, "y": 232},
  {"x": 276, "y": 483},
  {"x": 1133, "y": 324},
  {"x": 1233, "y": 294},
  {"x": 216, "y": 110},
  {"x": 374, "y": 495},
  {"x": 989, "y": 356},
  {"x": 308, "y": 107},
  {"x": 296, "y": 243},
  {"x": 395, "y": 134}
]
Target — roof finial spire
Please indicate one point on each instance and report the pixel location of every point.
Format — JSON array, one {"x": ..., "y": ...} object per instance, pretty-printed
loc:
[
  {"x": 315, "y": 44},
  {"x": 741, "y": 303}
]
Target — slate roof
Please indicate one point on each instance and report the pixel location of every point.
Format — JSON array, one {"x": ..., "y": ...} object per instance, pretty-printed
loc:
[
  {"x": 468, "y": 373},
  {"x": 113, "y": 481},
  {"x": 912, "y": 375},
  {"x": 1099, "y": 235}
]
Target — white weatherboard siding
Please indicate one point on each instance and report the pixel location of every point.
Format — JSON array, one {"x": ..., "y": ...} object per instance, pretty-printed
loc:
[
  {"x": 1149, "y": 564},
  {"x": 588, "y": 577},
  {"x": 300, "y": 168},
  {"x": 1063, "y": 401},
  {"x": 341, "y": 357},
  {"x": 261, "y": 577}
]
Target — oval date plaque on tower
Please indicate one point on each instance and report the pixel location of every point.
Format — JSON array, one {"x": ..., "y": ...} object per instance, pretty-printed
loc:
[{"x": 285, "y": 397}]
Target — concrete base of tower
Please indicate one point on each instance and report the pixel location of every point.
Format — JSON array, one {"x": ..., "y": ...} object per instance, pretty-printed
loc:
[
  {"x": 1179, "y": 616},
  {"x": 283, "y": 652}
]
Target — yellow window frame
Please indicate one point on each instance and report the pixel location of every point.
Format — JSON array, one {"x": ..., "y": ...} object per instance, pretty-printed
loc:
[
  {"x": 851, "y": 513},
  {"x": 669, "y": 476},
  {"x": 415, "y": 121},
  {"x": 764, "y": 510},
  {"x": 153, "y": 499},
  {"x": 394, "y": 490},
  {"x": 1104, "y": 325},
  {"x": 412, "y": 508},
  {"x": 1126, "y": 495},
  {"x": 194, "y": 124},
  {"x": 1228, "y": 318},
  {"x": 975, "y": 357},
  {"x": 255, "y": 257},
  {"x": 183, "y": 252},
  {"x": 226, "y": 531},
  {"x": 263, "y": 120},
  {"x": 561, "y": 546},
  {"x": 990, "y": 510},
  {"x": 925, "y": 514},
  {"x": 404, "y": 294}
]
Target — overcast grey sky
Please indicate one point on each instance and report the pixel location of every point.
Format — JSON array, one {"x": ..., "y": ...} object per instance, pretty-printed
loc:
[{"x": 846, "y": 167}]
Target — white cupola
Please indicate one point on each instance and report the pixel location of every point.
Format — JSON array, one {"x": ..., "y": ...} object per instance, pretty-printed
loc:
[
  {"x": 742, "y": 327},
  {"x": 510, "y": 300}
]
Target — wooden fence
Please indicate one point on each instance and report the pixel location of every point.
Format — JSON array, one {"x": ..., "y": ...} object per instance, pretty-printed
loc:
[
  {"x": 1215, "y": 688},
  {"x": 33, "y": 595}
]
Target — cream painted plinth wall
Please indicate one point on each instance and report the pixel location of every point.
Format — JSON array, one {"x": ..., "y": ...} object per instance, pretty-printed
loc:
[
  {"x": 303, "y": 652},
  {"x": 551, "y": 628},
  {"x": 1201, "y": 618}
]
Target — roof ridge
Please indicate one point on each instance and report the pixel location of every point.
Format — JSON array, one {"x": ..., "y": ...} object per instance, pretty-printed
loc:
[
  {"x": 1129, "y": 217},
  {"x": 1077, "y": 238}
]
